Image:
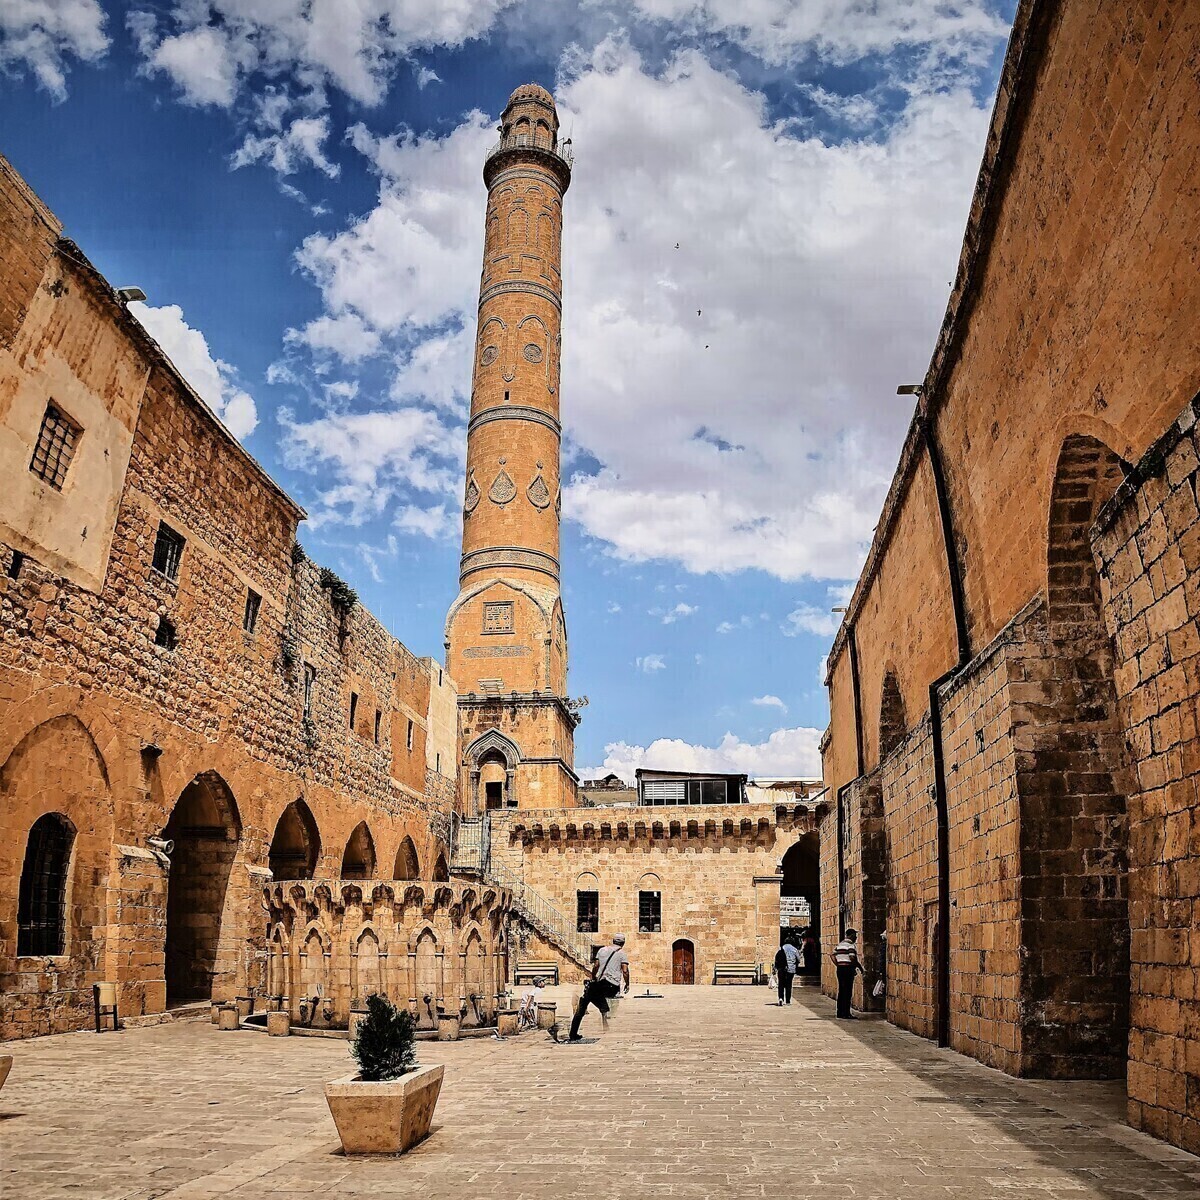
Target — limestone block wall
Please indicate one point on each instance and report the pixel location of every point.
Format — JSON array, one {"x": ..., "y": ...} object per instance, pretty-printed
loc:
[
  {"x": 1148, "y": 544},
  {"x": 210, "y": 736},
  {"x": 715, "y": 867},
  {"x": 432, "y": 947}
]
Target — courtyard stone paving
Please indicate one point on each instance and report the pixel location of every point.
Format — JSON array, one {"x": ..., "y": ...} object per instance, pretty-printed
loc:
[{"x": 706, "y": 1092}]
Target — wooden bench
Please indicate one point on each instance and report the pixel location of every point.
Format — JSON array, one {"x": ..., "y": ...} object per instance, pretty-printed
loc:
[
  {"x": 532, "y": 968},
  {"x": 735, "y": 971}
]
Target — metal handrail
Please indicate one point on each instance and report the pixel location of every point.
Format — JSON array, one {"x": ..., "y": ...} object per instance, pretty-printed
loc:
[
  {"x": 541, "y": 913},
  {"x": 525, "y": 141}
]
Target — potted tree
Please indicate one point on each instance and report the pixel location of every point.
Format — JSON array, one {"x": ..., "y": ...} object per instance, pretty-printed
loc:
[{"x": 388, "y": 1106}]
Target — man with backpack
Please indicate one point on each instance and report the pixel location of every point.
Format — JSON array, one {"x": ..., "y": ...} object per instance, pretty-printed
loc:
[
  {"x": 610, "y": 974},
  {"x": 787, "y": 963}
]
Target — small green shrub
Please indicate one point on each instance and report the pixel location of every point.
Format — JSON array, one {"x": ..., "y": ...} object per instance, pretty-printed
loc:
[
  {"x": 341, "y": 595},
  {"x": 298, "y": 555},
  {"x": 384, "y": 1045}
]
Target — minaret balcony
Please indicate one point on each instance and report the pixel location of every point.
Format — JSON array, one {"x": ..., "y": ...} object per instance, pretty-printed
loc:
[{"x": 562, "y": 156}]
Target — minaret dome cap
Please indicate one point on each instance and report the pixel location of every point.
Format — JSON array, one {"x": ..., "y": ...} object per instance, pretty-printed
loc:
[{"x": 530, "y": 91}]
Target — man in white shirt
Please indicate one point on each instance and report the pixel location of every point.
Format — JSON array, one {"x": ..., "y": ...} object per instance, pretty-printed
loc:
[
  {"x": 610, "y": 976},
  {"x": 845, "y": 959}
]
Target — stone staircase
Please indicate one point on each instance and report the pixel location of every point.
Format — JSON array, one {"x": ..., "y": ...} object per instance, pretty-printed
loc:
[{"x": 470, "y": 854}]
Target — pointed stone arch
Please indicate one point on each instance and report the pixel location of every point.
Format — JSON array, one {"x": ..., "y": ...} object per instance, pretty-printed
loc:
[
  {"x": 358, "y": 859},
  {"x": 295, "y": 844},
  {"x": 492, "y": 754},
  {"x": 892, "y": 720},
  {"x": 408, "y": 864}
]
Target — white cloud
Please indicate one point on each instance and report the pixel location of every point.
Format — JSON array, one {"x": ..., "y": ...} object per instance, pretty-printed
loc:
[
  {"x": 367, "y": 459},
  {"x": 301, "y": 144},
  {"x": 806, "y": 618},
  {"x": 613, "y": 607},
  {"x": 426, "y": 76},
  {"x": 436, "y": 522},
  {"x": 39, "y": 36},
  {"x": 213, "y": 380},
  {"x": 211, "y": 49},
  {"x": 743, "y": 622},
  {"x": 841, "y": 31},
  {"x": 786, "y": 753},
  {"x": 769, "y": 702},
  {"x": 678, "y": 612},
  {"x": 651, "y": 663},
  {"x": 345, "y": 335}
]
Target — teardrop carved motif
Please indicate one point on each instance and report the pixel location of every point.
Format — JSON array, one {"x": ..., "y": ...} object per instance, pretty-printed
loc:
[
  {"x": 503, "y": 489},
  {"x": 538, "y": 492},
  {"x": 472, "y": 497}
]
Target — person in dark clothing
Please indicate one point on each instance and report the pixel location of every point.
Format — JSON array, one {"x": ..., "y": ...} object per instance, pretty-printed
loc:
[
  {"x": 810, "y": 948},
  {"x": 845, "y": 959},
  {"x": 785, "y": 971}
]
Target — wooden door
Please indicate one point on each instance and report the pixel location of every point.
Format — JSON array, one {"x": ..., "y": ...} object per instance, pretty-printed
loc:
[{"x": 683, "y": 962}]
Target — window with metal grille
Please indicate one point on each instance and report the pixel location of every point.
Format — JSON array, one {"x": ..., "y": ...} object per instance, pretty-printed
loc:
[
  {"x": 168, "y": 550},
  {"x": 164, "y": 636},
  {"x": 649, "y": 912},
  {"x": 55, "y": 448},
  {"x": 310, "y": 683},
  {"x": 587, "y": 912},
  {"x": 42, "y": 902},
  {"x": 250, "y": 616}
]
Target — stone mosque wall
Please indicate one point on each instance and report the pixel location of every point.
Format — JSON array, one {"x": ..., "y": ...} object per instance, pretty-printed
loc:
[
  {"x": 1014, "y": 678},
  {"x": 140, "y": 696}
]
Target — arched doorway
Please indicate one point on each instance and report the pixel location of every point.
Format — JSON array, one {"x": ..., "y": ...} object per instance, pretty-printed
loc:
[
  {"x": 683, "y": 961},
  {"x": 407, "y": 866},
  {"x": 358, "y": 861},
  {"x": 492, "y": 760},
  {"x": 206, "y": 830},
  {"x": 802, "y": 886},
  {"x": 296, "y": 844}
]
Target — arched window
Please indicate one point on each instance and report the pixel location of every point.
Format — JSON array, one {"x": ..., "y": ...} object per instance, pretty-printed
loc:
[
  {"x": 441, "y": 873},
  {"x": 41, "y": 908}
]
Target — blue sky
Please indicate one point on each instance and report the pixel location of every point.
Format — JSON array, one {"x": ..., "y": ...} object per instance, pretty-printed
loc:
[{"x": 296, "y": 186}]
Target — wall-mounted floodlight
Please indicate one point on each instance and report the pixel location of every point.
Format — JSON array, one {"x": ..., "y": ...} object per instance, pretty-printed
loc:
[
  {"x": 840, "y": 608},
  {"x": 127, "y": 294},
  {"x": 910, "y": 389}
]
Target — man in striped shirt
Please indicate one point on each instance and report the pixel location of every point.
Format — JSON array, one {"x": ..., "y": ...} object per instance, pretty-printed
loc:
[{"x": 845, "y": 959}]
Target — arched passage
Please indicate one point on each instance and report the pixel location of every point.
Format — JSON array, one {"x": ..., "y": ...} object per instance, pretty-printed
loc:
[
  {"x": 296, "y": 843},
  {"x": 206, "y": 830},
  {"x": 408, "y": 866},
  {"x": 802, "y": 885},
  {"x": 358, "y": 860},
  {"x": 1071, "y": 787}
]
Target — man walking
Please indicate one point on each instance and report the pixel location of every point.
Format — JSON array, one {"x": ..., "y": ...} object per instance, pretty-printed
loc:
[
  {"x": 845, "y": 959},
  {"x": 787, "y": 963},
  {"x": 610, "y": 975}
]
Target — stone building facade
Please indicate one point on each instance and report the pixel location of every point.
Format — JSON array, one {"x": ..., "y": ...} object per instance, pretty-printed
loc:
[
  {"x": 172, "y": 669},
  {"x": 1013, "y": 692}
]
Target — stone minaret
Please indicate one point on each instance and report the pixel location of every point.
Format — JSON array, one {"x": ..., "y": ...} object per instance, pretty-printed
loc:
[{"x": 506, "y": 639}]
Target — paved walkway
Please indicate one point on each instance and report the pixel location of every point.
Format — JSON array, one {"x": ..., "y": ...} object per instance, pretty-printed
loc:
[{"x": 708, "y": 1092}]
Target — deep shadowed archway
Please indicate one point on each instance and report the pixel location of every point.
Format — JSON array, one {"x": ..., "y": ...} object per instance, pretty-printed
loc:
[
  {"x": 358, "y": 860},
  {"x": 408, "y": 865},
  {"x": 206, "y": 829},
  {"x": 296, "y": 844}
]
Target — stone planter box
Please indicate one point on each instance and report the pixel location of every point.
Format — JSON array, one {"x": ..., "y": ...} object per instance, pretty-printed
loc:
[
  {"x": 245, "y": 1006},
  {"x": 5, "y": 1066},
  {"x": 275, "y": 1004},
  {"x": 448, "y": 1027},
  {"x": 279, "y": 1024},
  {"x": 506, "y": 1023},
  {"x": 388, "y": 1117},
  {"x": 229, "y": 1017},
  {"x": 547, "y": 1015}
]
